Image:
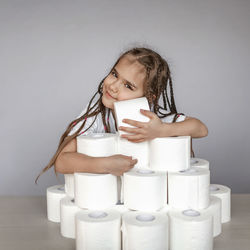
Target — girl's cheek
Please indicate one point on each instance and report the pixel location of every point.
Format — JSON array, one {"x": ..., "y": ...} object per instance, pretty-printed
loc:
[
  {"x": 108, "y": 81},
  {"x": 125, "y": 95}
]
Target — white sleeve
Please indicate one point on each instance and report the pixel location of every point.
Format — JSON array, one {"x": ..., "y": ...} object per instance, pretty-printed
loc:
[
  {"x": 87, "y": 124},
  {"x": 170, "y": 118}
]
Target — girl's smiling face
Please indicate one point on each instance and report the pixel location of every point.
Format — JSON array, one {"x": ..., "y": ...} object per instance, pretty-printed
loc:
[{"x": 126, "y": 81}]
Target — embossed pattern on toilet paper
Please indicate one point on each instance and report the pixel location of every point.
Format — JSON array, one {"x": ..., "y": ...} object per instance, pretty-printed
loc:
[
  {"x": 189, "y": 188},
  {"x": 97, "y": 145},
  {"x": 145, "y": 231},
  {"x": 224, "y": 193},
  {"x": 54, "y": 195},
  {"x": 145, "y": 190},
  {"x": 190, "y": 230},
  {"x": 130, "y": 109},
  {"x": 95, "y": 191},
  {"x": 170, "y": 154},
  {"x": 98, "y": 230},
  {"x": 139, "y": 151},
  {"x": 68, "y": 210}
]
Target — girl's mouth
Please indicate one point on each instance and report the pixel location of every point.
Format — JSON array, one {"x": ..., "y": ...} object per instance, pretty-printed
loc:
[{"x": 109, "y": 96}]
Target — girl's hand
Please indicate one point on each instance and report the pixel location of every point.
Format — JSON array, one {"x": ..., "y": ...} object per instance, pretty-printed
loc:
[
  {"x": 144, "y": 130},
  {"x": 118, "y": 164}
]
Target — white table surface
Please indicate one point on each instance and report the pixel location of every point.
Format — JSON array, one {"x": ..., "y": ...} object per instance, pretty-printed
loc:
[{"x": 24, "y": 226}]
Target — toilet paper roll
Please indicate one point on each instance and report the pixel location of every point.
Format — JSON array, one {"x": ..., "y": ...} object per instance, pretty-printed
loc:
[
  {"x": 224, "y": 193},
  {"x": 120, "y": 208},
  {"x": 68, "y": 212},
  {"x": 189, "y": 188},
  {"x": 98, "y": 230},
  {"x": 190, "y": 229},
  {"x": 145, "y": 231},
  {"x": 130, "y": 109},
  {"x": 54, "y": 195},
  {"x": 69, "y": 185},
  {"x": 215, "y": 210},
  {"x": 201, "y": 163},
  {"x": 139, "y": 151},
  {"x": 95, "y": 191},
  {"x": 97, "y": 145},
  {"x": 170, "y": 154},
  {"x": 145, "y": 190}
]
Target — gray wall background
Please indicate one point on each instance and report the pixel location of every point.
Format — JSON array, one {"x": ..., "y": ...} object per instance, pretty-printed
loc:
[{"x": 55, "y": 53}]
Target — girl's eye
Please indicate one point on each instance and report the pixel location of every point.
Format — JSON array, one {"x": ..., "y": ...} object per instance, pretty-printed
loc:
[
  {"x": 128, "y": 86},
  {"x": 113, "y": 73}
]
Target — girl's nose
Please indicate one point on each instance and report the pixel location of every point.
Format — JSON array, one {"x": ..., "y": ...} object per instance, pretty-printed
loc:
[{"x": 114, "y": 86}]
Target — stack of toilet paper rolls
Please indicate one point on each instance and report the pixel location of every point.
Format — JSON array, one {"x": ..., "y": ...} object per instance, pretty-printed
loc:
[{"x": 162, "y": 203}]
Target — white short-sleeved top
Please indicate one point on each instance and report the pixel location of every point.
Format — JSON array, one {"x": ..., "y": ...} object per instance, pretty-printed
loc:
[{"x": 98, "y": 126}]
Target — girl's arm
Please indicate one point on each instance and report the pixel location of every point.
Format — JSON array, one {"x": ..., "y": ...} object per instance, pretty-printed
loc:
[
  {"x": 69, "y": 161},
  {"x": 190, "y": 126},
  {"x": 156, "y": 128}
]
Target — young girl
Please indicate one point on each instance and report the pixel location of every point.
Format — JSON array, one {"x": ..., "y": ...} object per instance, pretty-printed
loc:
[{"x": 138, "y": 72}]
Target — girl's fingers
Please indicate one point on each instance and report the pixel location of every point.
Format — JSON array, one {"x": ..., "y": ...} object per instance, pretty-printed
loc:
[
  {"x": 133, "y": 162},
  {"x": 147, "y": 113},
  {"x": 134, "y": 123},
  {"x": 133, "y": 137},
  {"x": 130, "y": 130}
]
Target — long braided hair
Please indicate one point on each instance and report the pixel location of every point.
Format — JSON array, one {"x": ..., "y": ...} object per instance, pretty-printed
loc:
[{"x": 158, "y": 88}]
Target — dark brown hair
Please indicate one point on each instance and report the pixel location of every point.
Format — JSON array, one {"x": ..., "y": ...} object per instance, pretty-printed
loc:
[{"x": 158, "y": 88}]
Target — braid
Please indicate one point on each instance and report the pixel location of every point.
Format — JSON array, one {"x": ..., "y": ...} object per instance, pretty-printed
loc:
[
  {"x": 103, "y": 114},
  {"x": 92, "y": 110},
  {"x": 172, "y": 107},
  {"x": 109, "y": 129},
  {"x": 158, "y": 81}
]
